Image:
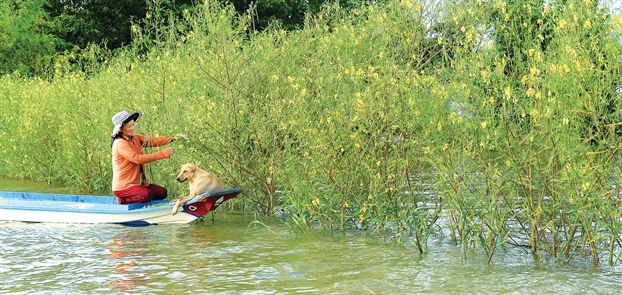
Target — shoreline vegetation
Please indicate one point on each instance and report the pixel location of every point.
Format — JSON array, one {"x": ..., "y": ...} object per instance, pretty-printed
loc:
[{"x": 491, "y": 123}]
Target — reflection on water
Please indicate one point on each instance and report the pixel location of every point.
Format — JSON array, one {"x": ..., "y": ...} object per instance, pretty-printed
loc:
[
  {"x": 229, "y": 257},
  {"x": 128, "y": 251},
  {"x": 30, "y": 186},
  {"x": 13, "y": 185}
]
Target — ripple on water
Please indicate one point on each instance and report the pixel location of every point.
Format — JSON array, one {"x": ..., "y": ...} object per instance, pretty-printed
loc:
[{"x": 228, "y": 257}]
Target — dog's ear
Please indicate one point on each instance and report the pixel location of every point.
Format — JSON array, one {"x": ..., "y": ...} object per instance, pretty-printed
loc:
[{"x": 192, "y": 167}]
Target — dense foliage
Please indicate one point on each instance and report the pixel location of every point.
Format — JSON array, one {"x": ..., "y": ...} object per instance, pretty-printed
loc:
[
  {"x": 487, "y": 122},
  {"x": 37, "y": 33}
]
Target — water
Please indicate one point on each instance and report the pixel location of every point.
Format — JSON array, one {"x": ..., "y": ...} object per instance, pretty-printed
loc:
[{"x": 235, "y": 255}]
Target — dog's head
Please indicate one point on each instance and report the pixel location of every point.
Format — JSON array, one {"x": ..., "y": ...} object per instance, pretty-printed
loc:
[{"x": 186, "y": 171}]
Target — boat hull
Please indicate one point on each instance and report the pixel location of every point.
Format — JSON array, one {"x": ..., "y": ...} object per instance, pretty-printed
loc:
[{"x": 59, "y": 208}]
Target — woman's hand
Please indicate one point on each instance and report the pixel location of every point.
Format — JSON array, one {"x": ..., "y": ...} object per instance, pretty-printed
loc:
[
  {"x": 169, "y": 151},
  {"x": 184, "y": 136}
]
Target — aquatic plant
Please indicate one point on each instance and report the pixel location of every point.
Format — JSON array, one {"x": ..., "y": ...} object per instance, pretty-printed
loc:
[{"x": 492, "y": 123}]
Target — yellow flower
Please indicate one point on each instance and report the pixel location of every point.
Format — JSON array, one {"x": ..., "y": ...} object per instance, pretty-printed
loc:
[
  {"x": 533, "y": 112},
  {"x": 508, "y": 92},
  {"x": 523, "y": 80},
  {"x": 562, "y": 23},
  {"x": 587, "y": 24}
]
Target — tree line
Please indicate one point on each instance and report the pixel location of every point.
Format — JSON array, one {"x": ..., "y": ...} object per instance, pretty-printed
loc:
[{"x": 35, "y": 33}]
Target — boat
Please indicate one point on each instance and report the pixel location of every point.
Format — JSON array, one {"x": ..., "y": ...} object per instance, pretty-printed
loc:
[{"x": 68, "y": 208}]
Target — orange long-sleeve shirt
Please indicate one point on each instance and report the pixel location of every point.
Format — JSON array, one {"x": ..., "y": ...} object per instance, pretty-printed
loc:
[{"x": 128, "y": 156}]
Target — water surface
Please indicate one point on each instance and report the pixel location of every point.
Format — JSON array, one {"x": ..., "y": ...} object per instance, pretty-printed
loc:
[{"x": 236, "y": 255}]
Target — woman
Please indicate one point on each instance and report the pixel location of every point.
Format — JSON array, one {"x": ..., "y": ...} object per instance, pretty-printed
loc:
[{"x": 129, "y": 183}]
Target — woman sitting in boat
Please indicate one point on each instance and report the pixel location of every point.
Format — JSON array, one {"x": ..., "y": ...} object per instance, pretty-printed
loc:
[{"x": 129, "y": 182}]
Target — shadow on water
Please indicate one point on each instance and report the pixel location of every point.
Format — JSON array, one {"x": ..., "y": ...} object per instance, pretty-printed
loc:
[{"x": 228, "y": 256}]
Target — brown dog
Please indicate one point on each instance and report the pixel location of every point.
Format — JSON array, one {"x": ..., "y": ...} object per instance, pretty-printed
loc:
[{"x": 200, "y": 181}]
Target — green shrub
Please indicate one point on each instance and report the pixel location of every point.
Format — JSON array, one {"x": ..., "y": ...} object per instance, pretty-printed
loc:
[{"x": 374, "y": 120}]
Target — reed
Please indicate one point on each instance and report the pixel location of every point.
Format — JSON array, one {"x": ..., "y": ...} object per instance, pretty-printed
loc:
[{"x": 369, "y": 119}]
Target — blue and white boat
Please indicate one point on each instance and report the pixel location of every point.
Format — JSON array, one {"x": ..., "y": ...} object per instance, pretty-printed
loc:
[{"x": 66, "y": 208}]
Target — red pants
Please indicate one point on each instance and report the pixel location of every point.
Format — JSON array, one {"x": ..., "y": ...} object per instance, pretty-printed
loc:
[{"x": 136, "y": 194}]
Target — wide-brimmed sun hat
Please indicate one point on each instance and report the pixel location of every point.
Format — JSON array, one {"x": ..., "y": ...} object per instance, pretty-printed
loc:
[{"x": 120, "y": 118}]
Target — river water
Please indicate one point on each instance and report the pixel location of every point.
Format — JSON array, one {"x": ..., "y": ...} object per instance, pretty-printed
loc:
[{"x": 236, "y": 254}]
